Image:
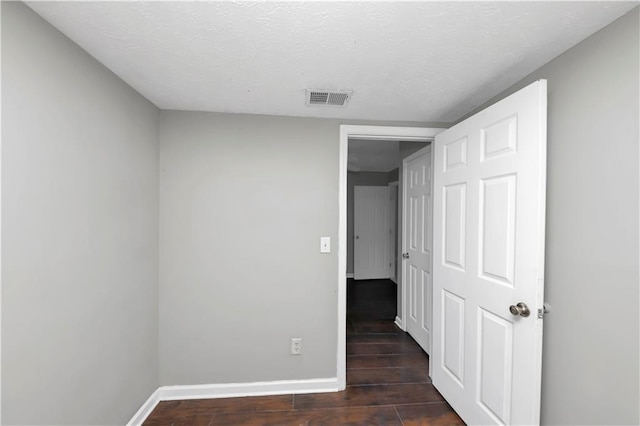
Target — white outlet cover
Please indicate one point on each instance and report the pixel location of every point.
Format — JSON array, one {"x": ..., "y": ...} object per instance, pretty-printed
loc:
[{"x": 296, "y": 346}]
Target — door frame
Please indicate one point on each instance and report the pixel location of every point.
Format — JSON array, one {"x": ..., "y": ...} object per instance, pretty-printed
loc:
[{"x": 418, "y": 134}]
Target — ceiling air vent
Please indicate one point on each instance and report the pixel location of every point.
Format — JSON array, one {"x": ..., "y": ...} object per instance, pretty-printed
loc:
[{"x": 337, "y": 98}]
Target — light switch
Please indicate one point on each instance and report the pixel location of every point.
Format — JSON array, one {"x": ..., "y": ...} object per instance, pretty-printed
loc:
[{"x": 325, "y": 244}]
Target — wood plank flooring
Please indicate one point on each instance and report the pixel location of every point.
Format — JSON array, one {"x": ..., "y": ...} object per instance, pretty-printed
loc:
[
  {"x": 387, "y": 384},
  {"x": 371, "y": 299}
]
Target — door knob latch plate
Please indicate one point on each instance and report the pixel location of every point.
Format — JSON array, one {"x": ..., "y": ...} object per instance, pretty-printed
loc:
[{"x": 546, "y": 308}]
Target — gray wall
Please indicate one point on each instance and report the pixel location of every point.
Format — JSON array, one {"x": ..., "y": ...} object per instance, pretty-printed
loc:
[
  {"x": 591, "y": 349},
  {"x": 80, "y": 233},
  {"x": 359, "y": 179},
  {"x": 392, "y": 176},
  {"x": 244, "y": 200}
]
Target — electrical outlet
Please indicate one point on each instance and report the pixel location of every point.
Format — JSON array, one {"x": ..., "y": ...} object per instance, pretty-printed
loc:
[{"x": 296, "y": 346}]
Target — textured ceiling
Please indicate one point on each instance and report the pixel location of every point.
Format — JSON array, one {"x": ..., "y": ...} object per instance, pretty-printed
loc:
[
  {"x": 419, "y": 61},
  {"x": 373, "y": 155}
]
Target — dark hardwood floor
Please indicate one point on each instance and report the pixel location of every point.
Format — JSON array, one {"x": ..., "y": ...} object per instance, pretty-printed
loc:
[
  {"x": 387, "y": 380},
  {"x": 371, "y": 299}
]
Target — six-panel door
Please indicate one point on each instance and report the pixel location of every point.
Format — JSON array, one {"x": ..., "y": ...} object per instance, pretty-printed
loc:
[
  {"x": 489, "y": 204},
  {"x": 417, "y": 268}
]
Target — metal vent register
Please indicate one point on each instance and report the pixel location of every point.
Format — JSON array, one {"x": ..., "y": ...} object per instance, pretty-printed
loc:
[{"x": 328, "y": 97}]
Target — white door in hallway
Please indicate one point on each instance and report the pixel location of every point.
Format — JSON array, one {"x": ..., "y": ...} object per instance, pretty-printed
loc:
[
  {"x": 393, "y": 235},
  {"x": 371, "y": 230},
  {"x": 417, "y": 251},
  {"x": 488, "y": 266}
]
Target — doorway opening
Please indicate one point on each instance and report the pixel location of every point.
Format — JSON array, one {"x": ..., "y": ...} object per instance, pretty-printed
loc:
[
  {"x": 374, "y": 134},
  {"x": 372, "y": 178}
]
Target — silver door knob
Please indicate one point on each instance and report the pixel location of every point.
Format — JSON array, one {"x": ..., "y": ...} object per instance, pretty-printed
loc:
[
  {"x": 405, "y": 255},
  {"x": 521, "y": 309}
]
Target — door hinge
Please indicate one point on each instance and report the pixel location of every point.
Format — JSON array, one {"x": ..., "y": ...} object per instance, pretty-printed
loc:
[{"x": 546, "y": 308}]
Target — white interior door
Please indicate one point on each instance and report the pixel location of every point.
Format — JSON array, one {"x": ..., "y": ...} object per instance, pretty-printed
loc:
[
  {"x": 393, "y": 231},
  {"x": 371, "y": 232},
  {"x": 417, "y": 246},
  {"x": 489, "y": 216}
]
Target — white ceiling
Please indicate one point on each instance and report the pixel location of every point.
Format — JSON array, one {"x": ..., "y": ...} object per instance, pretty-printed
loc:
[
  {"x": 418, "y": 61},
  {"x": 373, "y": 155}
]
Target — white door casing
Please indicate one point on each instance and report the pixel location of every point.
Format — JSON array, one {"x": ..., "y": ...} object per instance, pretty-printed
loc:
[
  {"x": 489, "y": 223},
  {"x": 371, "y": 232},
  {"x": 369, "y": 133},
  {"x": 417, "y": 252}
]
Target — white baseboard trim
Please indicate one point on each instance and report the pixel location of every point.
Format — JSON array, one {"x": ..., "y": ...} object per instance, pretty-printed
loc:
[
  {"x": 232, "y": 390},
  {"x": 399, "y": 323},
  {"x": 349, "y": 274},
  {"x": 146, "y": 409},
  {"x": 229, "y": 390}
]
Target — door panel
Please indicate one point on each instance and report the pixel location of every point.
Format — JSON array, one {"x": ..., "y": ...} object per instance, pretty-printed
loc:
[
  {"x": 497, "y": 228},
  {"x": 426, "y": 290},
  {"x": 455, "y": 225},
  {"x": 455, "y": 154},
  {"x": 417, "y": 178},
  {"x": 453, "y": 349},
  {"x": 413, "y": 292},
  {"x": 495, "y": 363},
  {"x": 489, "y": 208},
  {"x": 371, "y": 224},
  {"x": 413, "y": 223}
]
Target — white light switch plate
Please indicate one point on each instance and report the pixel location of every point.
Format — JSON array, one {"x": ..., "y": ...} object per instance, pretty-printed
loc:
[{"x": 325, "y": 244}]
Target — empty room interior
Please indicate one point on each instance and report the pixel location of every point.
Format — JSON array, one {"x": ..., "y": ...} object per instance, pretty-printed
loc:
[{"x": 320, "y": 213}]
